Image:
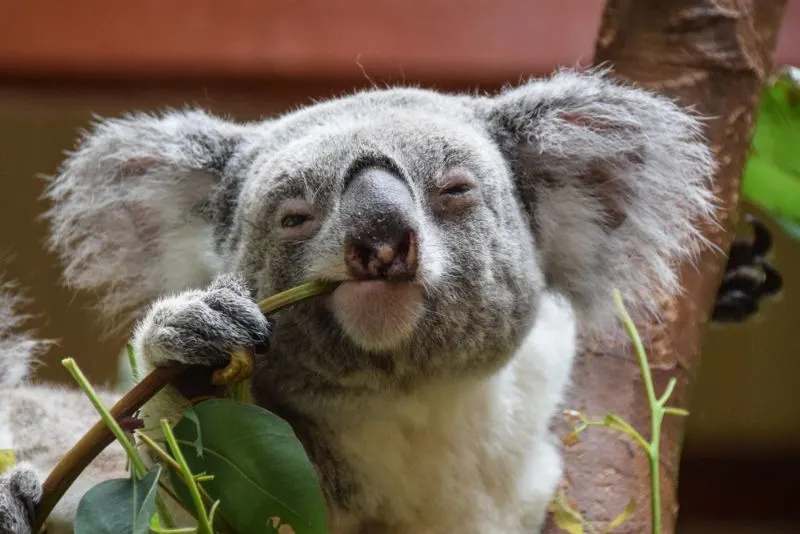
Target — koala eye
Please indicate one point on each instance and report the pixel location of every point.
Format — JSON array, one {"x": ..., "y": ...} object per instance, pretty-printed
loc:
[
  {"x": 296, "y": 219},
  {"x": 456, "y": 189},
  {"x": 292, "y": 221},
  {"x": 454, "y": 192}
]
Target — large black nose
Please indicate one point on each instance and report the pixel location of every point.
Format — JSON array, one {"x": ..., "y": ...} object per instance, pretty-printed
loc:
[{"x": 381, "y": 236}]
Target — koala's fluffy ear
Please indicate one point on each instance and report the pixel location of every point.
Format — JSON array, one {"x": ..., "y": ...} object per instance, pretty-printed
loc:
[
  {"x": 131, "y": 213},
  {"x": 19, "y": 348},
  {"x": 615, "y": 180}
]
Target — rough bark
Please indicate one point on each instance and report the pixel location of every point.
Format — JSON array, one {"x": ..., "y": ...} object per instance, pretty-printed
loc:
[{"x": 713, "y": 55}]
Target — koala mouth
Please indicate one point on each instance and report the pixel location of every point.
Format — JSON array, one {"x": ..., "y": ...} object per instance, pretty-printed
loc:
[{"x": 376, "y": 314}]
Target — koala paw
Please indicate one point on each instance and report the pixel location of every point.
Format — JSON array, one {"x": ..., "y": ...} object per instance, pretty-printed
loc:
[
  {"x": 749, "y": 277},
  {"x": 20, "y": 491},
  {"x": 203, "y": 327}
]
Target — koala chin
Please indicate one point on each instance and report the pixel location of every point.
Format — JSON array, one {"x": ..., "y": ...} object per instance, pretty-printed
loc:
[{"x": 476, "y": 238}]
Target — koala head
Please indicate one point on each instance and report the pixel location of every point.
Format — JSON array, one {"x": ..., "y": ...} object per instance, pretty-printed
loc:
[{"x": 444, "y": 216}]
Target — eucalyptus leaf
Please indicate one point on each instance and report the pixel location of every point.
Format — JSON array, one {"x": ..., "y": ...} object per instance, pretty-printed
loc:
[
  {"x": 623, "y": 516},
  {"x": 260, "y": 468},
  {"x": 198, "y": 442},
  {"x": 771, "y": 178},
  {"x": 565, "y": 517},
  {"x": 119, "y": 506}
]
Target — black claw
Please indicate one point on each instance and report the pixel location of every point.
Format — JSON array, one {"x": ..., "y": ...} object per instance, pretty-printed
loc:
[
  {"x": 740, "y": 254},
  {"x": 762, "y": 239},
  {"x": 739, "y": 282},
  {"x": 773, "y": 281},
  {"x": 748, "y": 277},
  {"x": 30, "y": 508}
]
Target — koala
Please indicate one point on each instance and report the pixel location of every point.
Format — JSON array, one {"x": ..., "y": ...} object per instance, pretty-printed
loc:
[
  {"x": 476, "y": 240},
  {"x": 20, "y": 488},
  {"x": 34, "y": 426}
]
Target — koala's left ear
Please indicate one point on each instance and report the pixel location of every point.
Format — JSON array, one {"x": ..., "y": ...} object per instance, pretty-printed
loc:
[{"x": 615, "y": 181}]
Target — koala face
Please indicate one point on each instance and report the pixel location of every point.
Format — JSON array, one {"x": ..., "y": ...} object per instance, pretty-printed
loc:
[
  {"x": 411, "y": 205},
  {"x": 445, "y": 217}
]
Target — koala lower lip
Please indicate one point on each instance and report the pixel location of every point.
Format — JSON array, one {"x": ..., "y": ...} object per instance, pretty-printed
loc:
[{"x": 377, "y": 314}]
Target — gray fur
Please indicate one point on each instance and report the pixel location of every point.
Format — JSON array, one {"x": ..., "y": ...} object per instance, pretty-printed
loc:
[
  {"x": 572, "y": 186},
  {"x": 623, "y": 173},
  {"x": 204, "y": 327},
  {"x": 33, "y": 424},
  {"x": 19, "y": 349},
  {"x": 20, "y": 490}
]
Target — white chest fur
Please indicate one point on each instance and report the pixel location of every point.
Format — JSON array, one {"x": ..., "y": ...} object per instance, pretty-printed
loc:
[{"x": 469, "y": 456}]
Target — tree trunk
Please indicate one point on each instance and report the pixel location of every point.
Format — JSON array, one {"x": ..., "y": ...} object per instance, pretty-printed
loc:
[{"x": 714, "y": 55}]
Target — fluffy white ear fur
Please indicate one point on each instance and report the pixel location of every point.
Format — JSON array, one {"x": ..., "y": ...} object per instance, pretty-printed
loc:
[
  {"x": 129, "y": 213},
  {"x": 18, "y": 349},
  {"x": 616, "y": 182}
]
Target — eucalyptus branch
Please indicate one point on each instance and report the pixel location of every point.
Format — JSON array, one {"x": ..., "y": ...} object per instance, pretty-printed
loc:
[
  {"x": 657, "y": 413},
  {"x": 111, "y": 423},
  {"x": 75, "y": 461},
  {"x": 571, "y": 520}
]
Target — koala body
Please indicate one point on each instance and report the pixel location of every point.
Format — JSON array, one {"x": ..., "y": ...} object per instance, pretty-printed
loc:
[
  {"x": 476, "y": 239},
  {"x": 39, "y": 423}
]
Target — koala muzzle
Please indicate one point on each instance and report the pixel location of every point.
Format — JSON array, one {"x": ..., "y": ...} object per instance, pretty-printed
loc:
[{"x": 381, "y": 236}]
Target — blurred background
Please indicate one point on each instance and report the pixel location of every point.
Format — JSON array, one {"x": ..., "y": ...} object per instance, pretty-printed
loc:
[{"x": 63, "y": 60}]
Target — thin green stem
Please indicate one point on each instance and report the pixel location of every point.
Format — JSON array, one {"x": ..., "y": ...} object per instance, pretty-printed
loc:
[
  {"x": 638, "y": 346},
  {"x": 108, "y": 419},
  {"x": 172, "y": 464},
  {"x": 166, "y": 489},
  {"x": 132, "y": 362},
  {"x": 163, "y": 512},
  {"x": 680, "y": 412},
  {"x": 625, "y": 429},
  {"x": 161, "y": 453},
  {"x": 656, "y": 414},
  {"x": 204, "y": 526},
  {"x": 620, "y": 424},
  {"x": 133, "y": 456},
  {"x": 241, "y": 391},
  {"x": 667, "y": 391},
  {"x": 213, "y": 510},
  {"x": 290, "y": 296}
]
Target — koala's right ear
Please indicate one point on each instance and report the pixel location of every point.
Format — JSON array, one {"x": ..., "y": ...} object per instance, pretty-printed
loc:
[{"x": 131, "y": 213}]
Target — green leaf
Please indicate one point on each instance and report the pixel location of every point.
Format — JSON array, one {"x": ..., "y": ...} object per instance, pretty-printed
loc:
[
  {"x": 680, "y": 412},
  {"x": 260, "y": 468},
  {"x": 565, "y": 517},
  {"x": 623, "y": 516},
  {"x": 119, "y": 506},
  {"x": 7, "y": 460},
  {"x": 198, "y": 444},
  {"x": 771, "y": 177}
]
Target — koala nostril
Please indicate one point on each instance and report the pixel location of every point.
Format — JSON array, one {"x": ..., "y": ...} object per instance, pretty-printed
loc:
[{"x": 394, "y": 261}]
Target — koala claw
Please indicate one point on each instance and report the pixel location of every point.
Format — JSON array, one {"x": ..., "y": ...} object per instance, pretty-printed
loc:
[
  {"x": 20, "y": 491},
  {"x": 206, "y": 327},
  {"x": 240, "y": 368}
]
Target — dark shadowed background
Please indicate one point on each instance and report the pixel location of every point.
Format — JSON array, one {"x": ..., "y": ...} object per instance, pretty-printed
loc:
[{"x": 61, "y": 61}]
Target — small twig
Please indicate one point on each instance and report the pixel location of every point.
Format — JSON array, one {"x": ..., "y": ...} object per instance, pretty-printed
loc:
[
  {"x": 167, "y": 459},
  {"x": 657, "y": 412},
  {"x": 203, "y": 523},
  {"x": 96, "y": 440}
]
